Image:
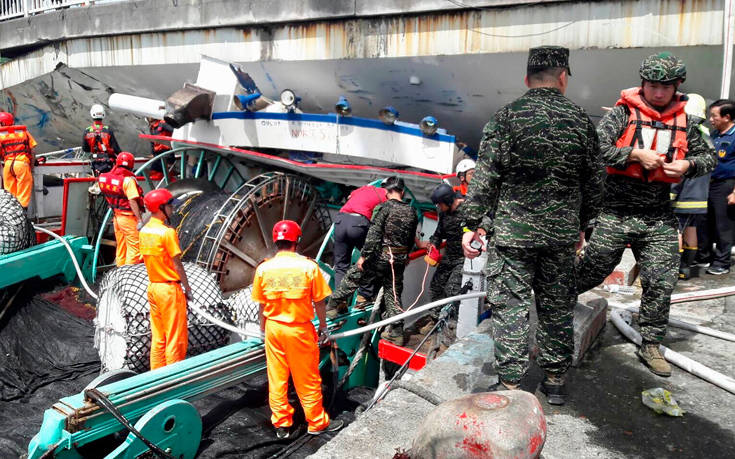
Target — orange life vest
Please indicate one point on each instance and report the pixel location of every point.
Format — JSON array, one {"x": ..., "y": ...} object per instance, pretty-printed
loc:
[
  {"x": 461, "y": 188},
  {"x": 14, "y": 142},
  {"x": 111, "y": 186},
  {"x": 157, "y": 127},
  {"x": 98, "y": 141},
  {"x": 647, "y": 128}
]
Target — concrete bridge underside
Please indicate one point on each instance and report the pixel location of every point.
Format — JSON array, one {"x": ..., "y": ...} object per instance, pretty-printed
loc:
[{"x": 468, "y": 61}]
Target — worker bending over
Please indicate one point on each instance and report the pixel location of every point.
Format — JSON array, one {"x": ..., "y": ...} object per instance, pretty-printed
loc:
[
  {"x": 124, "y": 195},
  {"x": 383, "y": 258},
  {"x": 289, "y": 287},
  {"x": 16, "y": 151},
  {"x": 161, "y": 253}
]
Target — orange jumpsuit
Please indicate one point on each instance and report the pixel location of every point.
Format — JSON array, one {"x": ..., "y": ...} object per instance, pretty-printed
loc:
[
  {"x": 17, "y": 176},
  {"x": 159, "y": 245},
  {"x": 126, "y": 231},
  {"x": 286, "y": 286}
]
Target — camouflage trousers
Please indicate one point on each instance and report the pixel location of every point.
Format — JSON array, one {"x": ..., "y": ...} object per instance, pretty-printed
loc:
[
  {"x": 446, "y": 282},
  {"x": 376, "y": 272},
  {"x": 514, "y": 276},
  {"x": 656, "y": 248}
]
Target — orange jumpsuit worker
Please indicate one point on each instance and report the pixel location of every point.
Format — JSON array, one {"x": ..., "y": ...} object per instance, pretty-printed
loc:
[
  {"x": 159, "y": 246},
  {"x": 124, "y": 195},
  {"x": 289, "y": 287},
  {"x": 16, "y": 150}
]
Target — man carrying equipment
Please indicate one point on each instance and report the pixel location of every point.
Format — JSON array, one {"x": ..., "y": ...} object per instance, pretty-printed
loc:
[
  {"x": 448, "y": 275},
  {"x": 647, "y": 142},
  {"x": 289, "y": 288},
  {"x": 100, "y": 141},
  {"x": 16, "y": 151},
  {"x": 539, "y": 175},
  {"x": 161, "y": 253},
  {"x": 124, "y": 195}
]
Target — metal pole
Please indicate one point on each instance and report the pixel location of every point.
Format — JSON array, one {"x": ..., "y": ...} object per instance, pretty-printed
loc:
[{"x": 727, "y": 42}]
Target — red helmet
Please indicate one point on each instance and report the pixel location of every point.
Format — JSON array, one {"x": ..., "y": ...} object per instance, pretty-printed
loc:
[
  {"x": 286, "y": 230},
  {"x": 125, "y": 159},
  {"x": 6, "y": 119},
  {"x": 153, "y": 200}
]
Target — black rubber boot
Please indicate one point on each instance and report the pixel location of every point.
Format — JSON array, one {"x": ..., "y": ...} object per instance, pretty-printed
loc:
[
  {"x": 687, "y": 262},
  {"x": 555, "y": 389}
]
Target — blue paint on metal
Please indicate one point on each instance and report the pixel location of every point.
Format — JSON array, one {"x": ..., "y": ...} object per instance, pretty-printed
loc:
[{"x": 398, "y": 127}]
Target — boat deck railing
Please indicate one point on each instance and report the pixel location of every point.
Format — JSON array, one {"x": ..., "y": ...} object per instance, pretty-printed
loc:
[{"x": 10, "y": 9}]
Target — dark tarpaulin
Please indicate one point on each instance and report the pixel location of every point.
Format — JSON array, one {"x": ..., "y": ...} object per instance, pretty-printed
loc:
[{"x": 45, "y": 354}]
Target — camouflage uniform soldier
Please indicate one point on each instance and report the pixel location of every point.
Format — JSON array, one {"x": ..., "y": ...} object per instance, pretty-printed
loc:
[
  {"x": 383, "y": 257},
  {"x": 448, "y": 275},
  {"x": 644, "y": 141},
  {"x": 539, "y": 170}
]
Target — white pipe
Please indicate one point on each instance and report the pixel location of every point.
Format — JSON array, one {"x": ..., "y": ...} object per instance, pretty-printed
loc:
[
  {"x": 73, "y": 259},
  {"x": 681, "y": 324},
  {"x": 138, "y": 105},
  {"x": 727, "y": 41},
  {"x": 685, "y": 363},
  {"x": 222, "y": 324},
  {"x": 407, "y": 314},
  {"x": 702, "y": 295}
]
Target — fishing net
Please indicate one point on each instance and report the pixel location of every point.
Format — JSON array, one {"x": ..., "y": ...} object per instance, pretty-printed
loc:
[
  {"x": 16, "y": 231},
  {"x": 244, "y": 311},
  {"x": 123, "y": 331}
]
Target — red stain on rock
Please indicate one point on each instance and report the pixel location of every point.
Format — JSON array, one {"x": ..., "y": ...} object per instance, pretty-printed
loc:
[
  {"x": 535, "y": 444},
  {"x": 473, "y": 448}
]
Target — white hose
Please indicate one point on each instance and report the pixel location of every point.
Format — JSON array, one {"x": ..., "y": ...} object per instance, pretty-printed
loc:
[
  {"x": 702, "y": 295},
  {"x": 685, "y": 363},
  {"x": 222, "y": 324},
  {"x": 73, "y": 259},
  {"x": 407, "y": 314},
  {"x": 680, "y": 323}
]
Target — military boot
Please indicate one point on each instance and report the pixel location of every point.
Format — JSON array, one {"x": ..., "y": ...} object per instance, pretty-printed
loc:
[
  {"x": 650, "y": 355},
  {"x": 394, "y": 334},
  {"x": 361, "y": 302},
  {"x": 334, "y": 309},
  {"x": 554, "y": 387}
]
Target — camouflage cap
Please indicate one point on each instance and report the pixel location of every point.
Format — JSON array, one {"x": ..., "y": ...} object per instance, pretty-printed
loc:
[
  {"x": 544, "y": 57},
  {"x": 663, "y": 67}
]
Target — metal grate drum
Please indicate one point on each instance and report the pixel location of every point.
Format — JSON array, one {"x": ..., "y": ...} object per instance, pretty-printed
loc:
[
  {"x": 122, "y": 326},
  {"x": 16, "y": 231},
  {"x": 244, "y": 311}
]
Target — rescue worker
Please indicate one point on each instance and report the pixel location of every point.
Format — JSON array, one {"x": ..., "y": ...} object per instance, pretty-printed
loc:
[
  {"x": 720, "y": 228},
  {"x": 100, "y": 141},
  {"x": 647, "y": 142},
  {"x": 465, "y": 170},
  {"x": 539, "y": 169},
  {"x": 125, "y": 197},
  {"x": 350, "y": 229},
  {"x": 448, "y": 275},
  {"x": 159, "y": 246},
  {"x": 16, "y": 152},
  {"x": 689, "y": 197},
  {"x": 383, "y": 258},
  {"x": 289, "y": 288},
  {"x": 160, "y": 128}
]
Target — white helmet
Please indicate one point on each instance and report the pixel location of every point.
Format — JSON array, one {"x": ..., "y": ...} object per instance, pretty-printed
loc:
[
  {"x": 464, "y": 165},
  {"x": 696, "y": 106},
  {"x": 97, "y": 112}
]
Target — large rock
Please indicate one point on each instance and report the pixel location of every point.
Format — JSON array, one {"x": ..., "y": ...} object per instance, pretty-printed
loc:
[{"x": 507, "y": 424}]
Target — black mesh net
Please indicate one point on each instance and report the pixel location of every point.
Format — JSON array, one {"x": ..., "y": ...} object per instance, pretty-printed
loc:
[
  {"x": 123, "y": 331},
  {"x": 16, "y": 231}
]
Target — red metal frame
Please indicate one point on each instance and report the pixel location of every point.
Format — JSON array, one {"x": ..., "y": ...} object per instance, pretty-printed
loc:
[
  {"x": 159, "y": 138},
  {"x": 398, "y": 354},
  {"x": 66, "y": 198}
]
